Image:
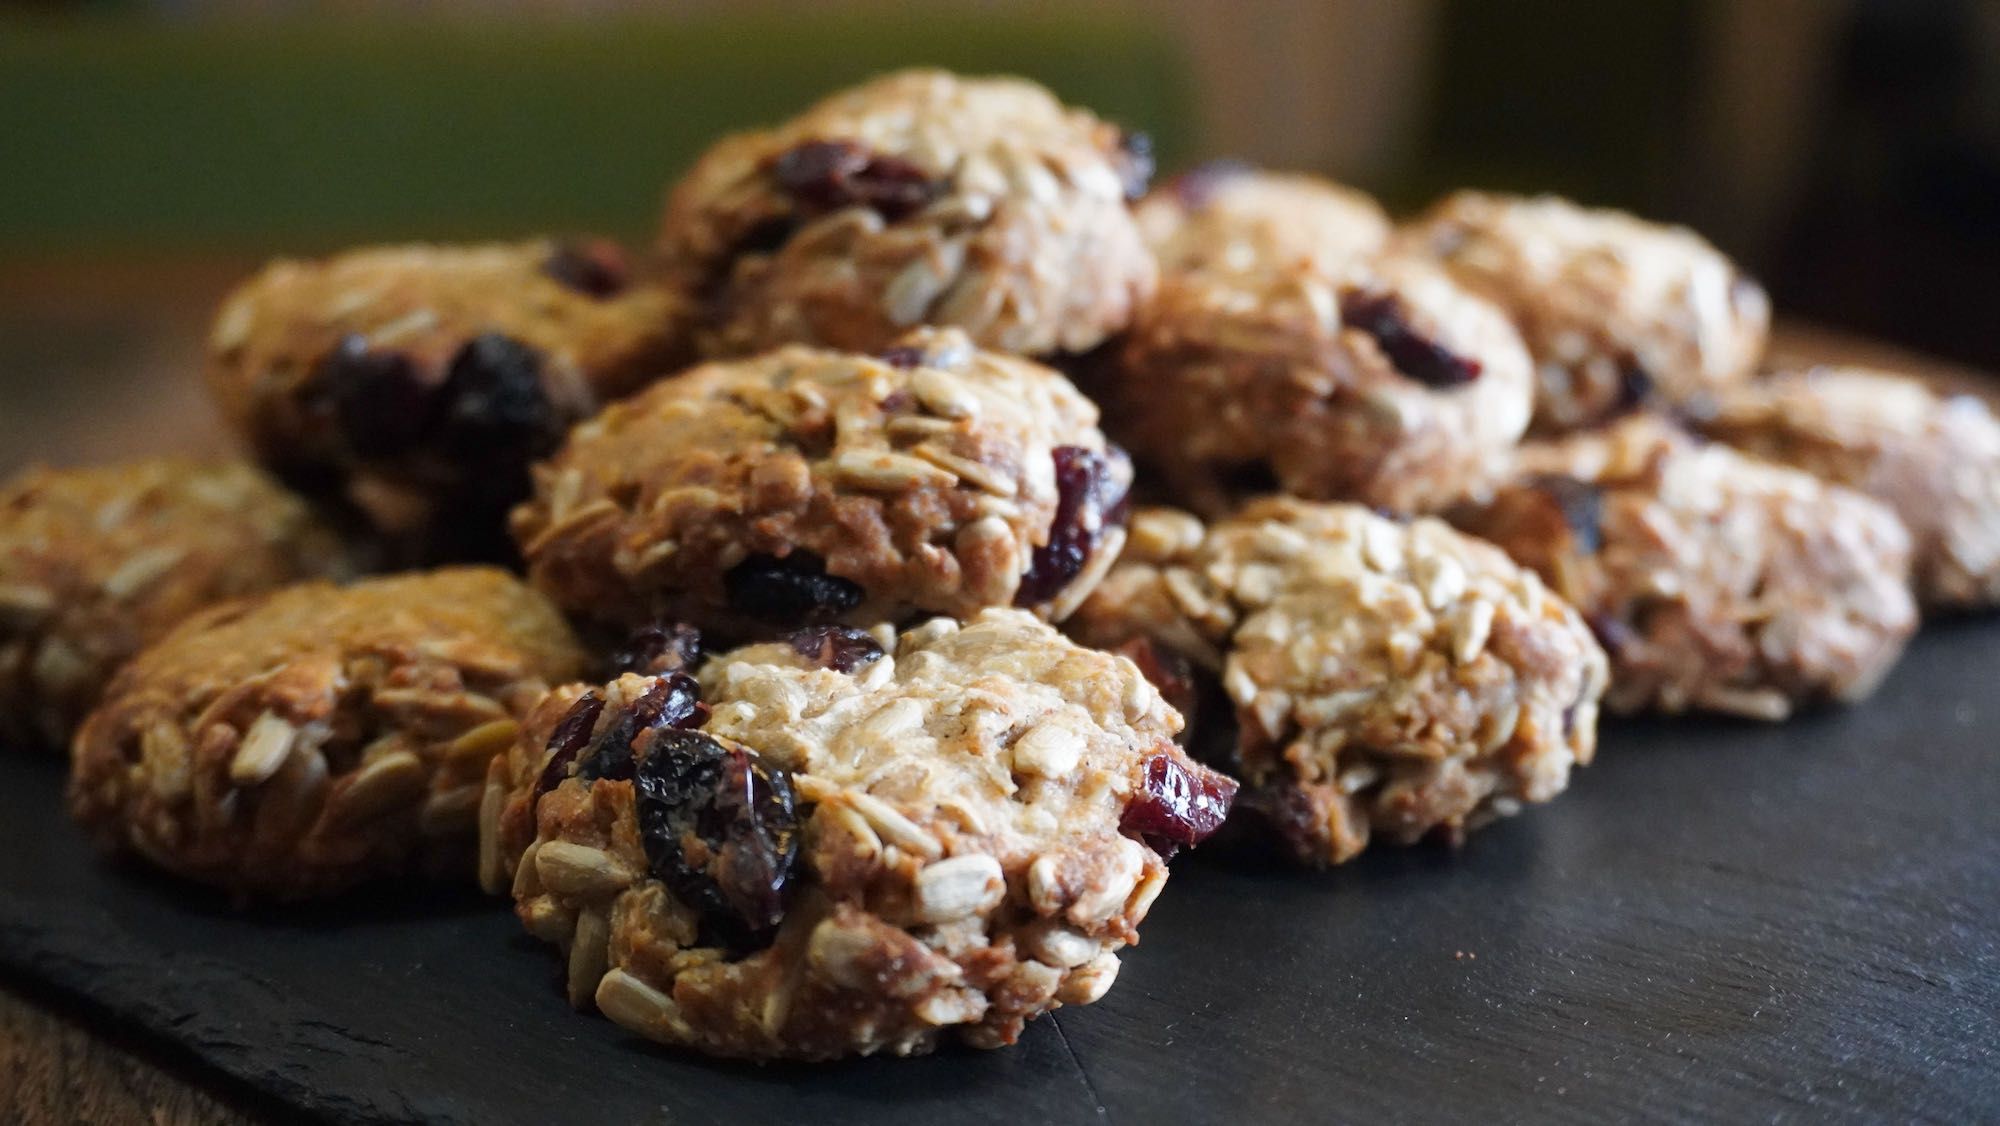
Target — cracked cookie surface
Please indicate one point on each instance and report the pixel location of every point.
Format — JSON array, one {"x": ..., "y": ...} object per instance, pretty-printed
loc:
[
  {"x": 1716, "y": 581},
  {"x": 919, "y": 198},
  {"x": 96, "y": 563},
  {"x": 844, "y": 843},
  {"x": 297, "y": 743},
  {"x": 1392, "y": 680}
]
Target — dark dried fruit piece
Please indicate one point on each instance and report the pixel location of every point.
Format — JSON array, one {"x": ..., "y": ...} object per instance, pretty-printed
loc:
[
  {"x": 830, "y": 175},
  {"x": 1135, "y": 163},
  {"x": 1167, "y": 671},
  {"x": 1178, "y": 804},
  {"x": 1384, "y": 319},
  {"x": 568, "y": 740},
  {"x": 1635, "y": 387},
  {"x": 1611, "y": 631},
  {"x": 595, "y": 267},
  {"x": 380, "y": 405},
  {"x": 836, "y": 647},
  {"x": 658, "y": 649},
  {"x": 905, "y": 357},
  {"x": 790, "y": 590},
  {"x": 1092, "y": 495},
  {"x": 719, "y": 829},
  {"x": 1194, "y": 188},
  {"x": 1581, "y": 505},
  {"x": 673, "y": 701},
  {"x": 494, "y": 407}
]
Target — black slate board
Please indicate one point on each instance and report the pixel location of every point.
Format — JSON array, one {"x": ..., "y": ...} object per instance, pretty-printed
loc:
[{"x": 1719, "y": 922}]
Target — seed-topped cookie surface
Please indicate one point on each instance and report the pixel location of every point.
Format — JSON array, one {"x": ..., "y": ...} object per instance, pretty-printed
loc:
[
  {"x": 844, "y": 843},
  {"x": 299, "y": 742},
  {"x": 805, "y": 486},
  {"x": 96, "y": 563},
  {"x": 918, "y": 198}
]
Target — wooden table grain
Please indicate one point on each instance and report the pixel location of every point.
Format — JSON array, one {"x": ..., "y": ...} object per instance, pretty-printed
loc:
[{"x": 100, "y": 360}]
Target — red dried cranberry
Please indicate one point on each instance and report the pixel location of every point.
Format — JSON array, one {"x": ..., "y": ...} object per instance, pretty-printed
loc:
[
  {"x": 719, "y": 829},
  {"x": 790, "y": 590},
  {"x": 1383, "y": 318},
  {"x": 1091, "y": 496},
  {"x": 835, "y": 647},
  {"x": 1177, "y": 805},
  {"x": 495, "y": 408},
  {"x": 906, "y": 356},
  {"x": 379, "y": 403},
  {"x": 1612, "y": 632},
  {"x": 568, "y": 740},
  {"x": 658, "y": 649},
  {"x": 673, "y": 701},
  {"x": 1195, "y": 187},
  {"x": 595, "y": 267},
  {"x": 1135, "y": 163},
  {"x": 1581, "y": 505},
  {"x": 830, "y": 175},
  {"x": 1166, "y": 670}
]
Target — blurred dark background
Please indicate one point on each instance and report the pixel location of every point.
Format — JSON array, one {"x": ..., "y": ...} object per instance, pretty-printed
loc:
[{"x": 1848, "y": 151}]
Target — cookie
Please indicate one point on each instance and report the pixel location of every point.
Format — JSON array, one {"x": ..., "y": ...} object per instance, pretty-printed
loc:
[
  {"x": 805, "y": 486},
  {"x": 1617, "y": 312},
  {"x": 1934, "y": 460},
  {"x": 1716, "y": 581},
  {"x": 919, "y": 198},
  {"x": 1279, "y": 355},
  {"x": 300, "y": 742},
  {"x": 844, "y": 843},
  {"x": 415, "y": 383},
  {"x": 1225, "y": 215},
  {"x": 1388, "y": 680},
  {"x": 97, "y": 563}
]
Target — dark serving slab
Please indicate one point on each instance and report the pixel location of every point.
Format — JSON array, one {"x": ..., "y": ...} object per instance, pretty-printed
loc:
[{"x": 1720, "y": 922}]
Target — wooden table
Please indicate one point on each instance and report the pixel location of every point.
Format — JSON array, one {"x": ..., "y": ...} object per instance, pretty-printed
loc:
[{"x": 100, "y": 362}]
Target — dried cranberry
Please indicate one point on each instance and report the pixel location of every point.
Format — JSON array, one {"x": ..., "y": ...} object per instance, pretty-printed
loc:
[
  {"x": 1135, "y": 163},
  {"x": 719, "y": 830},
  {"x": 906, "y": 356},
  {"x": 673, "y": 701},
  {"x": 658, "y": 649},
  {"x": 1581, "y": 505},
  {"x": 1382, "y": 317},
  {"x": 568, "y": 740},
  {"x": 790, "y": 590},
  {"x": 1178, "y": 804},
  {"x": 1091, "y": 495},
  {"x": 1635, "y": 387},
  {"x": 1612, "y": 632},
  {"x": 379, "y": 403},
  {"x": 836, "y": 647},
  {"x": 1166, "y": 670},
  {"x": 495, "y": 409},
  {"x": 1195, "y": 187},
  {"x": 830, "y": 175},
  {"x": 595, "y": 267}
]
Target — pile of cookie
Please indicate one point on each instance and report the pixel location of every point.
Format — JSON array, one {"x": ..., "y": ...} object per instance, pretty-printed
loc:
[{"x": 861, "y": 685}]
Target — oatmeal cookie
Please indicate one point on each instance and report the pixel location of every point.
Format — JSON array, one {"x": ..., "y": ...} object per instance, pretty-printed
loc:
[
  {"x": 1716, "y": 581},
  {"x": 294, "y": 744},
  {"x": 1229, "y": 216},
  {"x": 1935, "y": 461},
  {"x": 97, "y": 563},
  {"x": 414, "y": 383},
  {"x": 920, "y": 198},
  {"x": 805, "y": 486},
  {"x": 1617, "y": 312},
  {"x": 1392, "y": 679},
  {"x": 844, "y": 843},
  {"x": 1267, "y": 367}
]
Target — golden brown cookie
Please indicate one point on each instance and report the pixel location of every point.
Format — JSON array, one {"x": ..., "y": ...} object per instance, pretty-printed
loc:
[
  {"x": 299, "y": 742},
  {"x": 96, "y": 563}
]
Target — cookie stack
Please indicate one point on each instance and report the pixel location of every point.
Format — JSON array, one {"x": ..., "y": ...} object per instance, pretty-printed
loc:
[{"x": 806, "y": 658}]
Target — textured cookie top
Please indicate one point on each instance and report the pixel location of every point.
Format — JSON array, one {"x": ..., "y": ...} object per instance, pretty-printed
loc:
[
  {"x": 806, "y": 485},
  {"x": 1716, "y": 580},
  {"x": 94, "y": 563},
  {"x": 977, "y": 811},
  {"x": 1616, "y": 310},
  {"x": 296, "y": 742},
  {"x": 1226, "y": 216},
  {"x": 918, "y": 198},
  {"x": 427, "y": 370}
]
